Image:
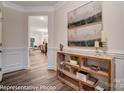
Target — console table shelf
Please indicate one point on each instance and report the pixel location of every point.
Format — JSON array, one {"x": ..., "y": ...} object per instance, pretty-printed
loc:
[
  {"x": 66, "y": 71},
  {"x": 72, "y": 65},
  {"x": 100, "y": 73},
  {"x": 74, "y": 77}
]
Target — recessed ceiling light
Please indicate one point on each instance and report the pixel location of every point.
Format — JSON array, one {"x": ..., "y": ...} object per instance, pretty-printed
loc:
[
  {"x": 41, "y": 18},
  {"x": 42, "y": 30}
]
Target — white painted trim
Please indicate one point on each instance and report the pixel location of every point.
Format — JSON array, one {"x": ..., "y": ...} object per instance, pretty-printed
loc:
[
  {"x": 50, "y": 67},
  {"x": 119, "y": 54},
  {"x": 59, "y": 4},
  {"x": 11, "y": 68},
  {"x": 39, "y": 9},
  {"x": 12, "y": 6},
  {"x": 14, "y": 48}
]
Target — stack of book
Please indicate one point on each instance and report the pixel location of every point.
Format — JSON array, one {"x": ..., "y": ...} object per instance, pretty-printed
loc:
[{"x": 82, "y": 75}]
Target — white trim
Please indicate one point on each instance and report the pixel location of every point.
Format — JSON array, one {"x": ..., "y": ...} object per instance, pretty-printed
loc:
[
  {"x": 51, "y": 68},
  {"x": 12, "y": 6},
  {"x": 39, "y": 9},
  {"x": 12, "y": 68},
  {"x": 32, "y": 9},
  {"x": 119, "y": 54},
  {"x": 5, "y": 48},
  {"x": 59, "y": 5}
]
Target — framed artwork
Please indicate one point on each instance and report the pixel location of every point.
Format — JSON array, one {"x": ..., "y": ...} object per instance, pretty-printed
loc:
[{"x": 85, "y": 25}]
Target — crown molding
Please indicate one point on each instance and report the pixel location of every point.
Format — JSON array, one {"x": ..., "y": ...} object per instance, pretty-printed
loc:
[
  {"x": 59, "y": 4},
  {"x": 12, "y": 6},
  {"x": 32, "y": 9},
  {"x": 39, "y": 9}
]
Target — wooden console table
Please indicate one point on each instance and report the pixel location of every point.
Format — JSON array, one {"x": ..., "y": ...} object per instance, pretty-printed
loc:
[{"x": 68, "y": 76}]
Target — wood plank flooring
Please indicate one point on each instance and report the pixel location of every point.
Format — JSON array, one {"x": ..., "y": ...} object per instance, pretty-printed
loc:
[{"x": 37, "y": 76}]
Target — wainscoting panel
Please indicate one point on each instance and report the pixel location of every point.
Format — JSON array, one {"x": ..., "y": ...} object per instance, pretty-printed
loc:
[
  {"x": 119, "y": 68},
  {"x": 14, "y": 59},
  {"x": 120, "y": 74},
  {"x": 52, "y": 58},
  {"x": 17, "y": 58}
]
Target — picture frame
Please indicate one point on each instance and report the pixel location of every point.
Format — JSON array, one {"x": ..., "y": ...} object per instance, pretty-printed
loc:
[{"x": 85, "y": 25}]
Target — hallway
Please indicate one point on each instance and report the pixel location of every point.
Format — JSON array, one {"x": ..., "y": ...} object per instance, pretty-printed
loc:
[{"x": 36, "y": 76}]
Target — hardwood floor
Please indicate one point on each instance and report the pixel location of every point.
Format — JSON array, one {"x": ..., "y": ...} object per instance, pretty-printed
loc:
[{"x": 37, "y": 77}]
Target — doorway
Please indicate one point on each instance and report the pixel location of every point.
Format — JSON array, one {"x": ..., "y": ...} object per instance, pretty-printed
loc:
[{"x": 38, "y": 39}]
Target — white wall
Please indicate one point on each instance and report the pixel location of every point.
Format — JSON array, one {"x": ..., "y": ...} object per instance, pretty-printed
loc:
[
  {"x": 112, "y": 21},
  {"x": 113, "y": 24}
]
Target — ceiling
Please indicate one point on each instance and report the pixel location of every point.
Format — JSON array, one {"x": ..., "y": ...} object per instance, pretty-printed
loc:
[
  {"x": 33, "y": 6},
  {"x": 38, "y": 24},
  {"x": 34, "y": 3}
]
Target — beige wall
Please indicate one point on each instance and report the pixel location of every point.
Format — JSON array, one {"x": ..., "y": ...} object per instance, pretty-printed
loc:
[
  {"x": 13, "y": 28},
  {"x": 112, "y": 21},
  {"x": 61, "y": 22},
  {"x": 113, "y": 13},
  {"x": 15, "y": 38},
  {"x": 113, "y": 24},
  {"x": 15, "y": 52}
]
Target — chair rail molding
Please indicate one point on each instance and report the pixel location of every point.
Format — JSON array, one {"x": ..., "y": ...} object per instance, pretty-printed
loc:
[{"x": 115, "y": 53}]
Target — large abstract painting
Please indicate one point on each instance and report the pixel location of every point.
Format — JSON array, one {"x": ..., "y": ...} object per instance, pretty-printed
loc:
[{"x": 85, "y": 25}]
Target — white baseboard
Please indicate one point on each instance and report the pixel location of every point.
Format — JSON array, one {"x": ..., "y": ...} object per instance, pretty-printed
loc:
[
  {"x": 12, "y": 68},
  {"x": 51, "y": 68}
]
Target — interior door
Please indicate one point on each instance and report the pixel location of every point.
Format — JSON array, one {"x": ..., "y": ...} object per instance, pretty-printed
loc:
[{"x": 0, "y": 44}]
